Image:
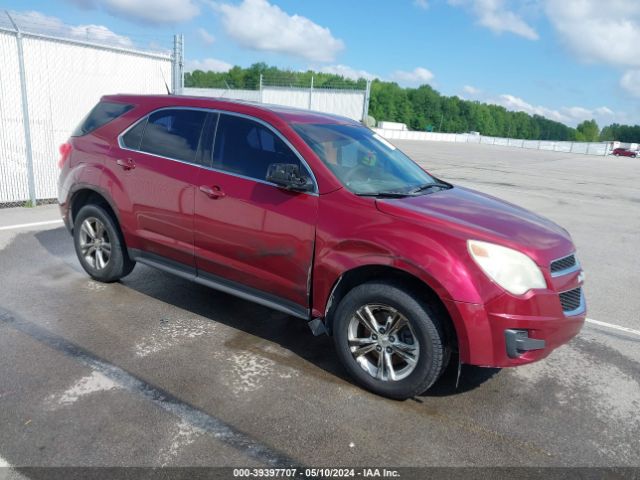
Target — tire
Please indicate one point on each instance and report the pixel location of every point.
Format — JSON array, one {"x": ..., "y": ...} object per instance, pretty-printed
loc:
[
  {"x": 423, "y": 324},
  {"x": 104, "y": 256}
]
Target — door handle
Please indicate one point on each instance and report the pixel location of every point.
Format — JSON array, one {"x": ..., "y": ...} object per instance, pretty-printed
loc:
[
  {"x": 127, "y": 164},
  {"x": 212, "y": 192}
]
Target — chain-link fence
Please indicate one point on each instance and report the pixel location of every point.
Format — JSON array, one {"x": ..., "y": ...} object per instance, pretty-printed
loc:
[
  {"x": 51, "y": 75},
  {"x": 337, "y": 96}
]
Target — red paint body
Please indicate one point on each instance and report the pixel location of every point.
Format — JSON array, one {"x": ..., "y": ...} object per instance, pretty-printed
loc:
[
  {"x": 624, "y": 152},
  {"x": 296, "y": 246}
]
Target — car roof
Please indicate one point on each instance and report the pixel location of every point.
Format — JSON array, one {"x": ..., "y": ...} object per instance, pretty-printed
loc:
[{"x": 260, "y": 110}]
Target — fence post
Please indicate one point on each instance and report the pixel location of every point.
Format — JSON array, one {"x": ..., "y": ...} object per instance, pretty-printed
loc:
[
  {"x": 310, "y": 92},
  {"x": 261, "y": 97},
  {"x": 177, "y": 67},
  {"x": 25, "y": 114},
  {"x": 365, "y": 106}
]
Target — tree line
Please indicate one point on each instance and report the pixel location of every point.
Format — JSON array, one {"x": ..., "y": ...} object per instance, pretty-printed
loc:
[{"x": 422, "y": 108}]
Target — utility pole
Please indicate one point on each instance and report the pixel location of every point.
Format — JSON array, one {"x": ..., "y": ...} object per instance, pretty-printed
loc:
[
  {"x": 178, "y": 64},
  {"x": 365, "y": 106}
]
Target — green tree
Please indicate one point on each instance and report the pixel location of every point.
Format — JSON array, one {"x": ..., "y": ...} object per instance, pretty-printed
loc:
[{"x": 589, "y": 131}]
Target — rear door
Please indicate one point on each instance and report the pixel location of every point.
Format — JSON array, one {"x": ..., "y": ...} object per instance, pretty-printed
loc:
[
  {"x": 249, "y": 232},
  {"x": 158, "y": 160}
]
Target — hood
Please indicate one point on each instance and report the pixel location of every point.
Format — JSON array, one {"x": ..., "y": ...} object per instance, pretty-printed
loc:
[{"x": 483, "y": 217}]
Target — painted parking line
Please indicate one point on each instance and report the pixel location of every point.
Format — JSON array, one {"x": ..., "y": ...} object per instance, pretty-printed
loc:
[
  {"x": 215, "y": 427},
  {"x": 30, "y": 225},
  {"x": 614, "y": 327}
]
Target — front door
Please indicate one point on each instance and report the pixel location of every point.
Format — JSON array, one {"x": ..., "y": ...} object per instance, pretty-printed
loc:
[{"x": 249, "y": 231}]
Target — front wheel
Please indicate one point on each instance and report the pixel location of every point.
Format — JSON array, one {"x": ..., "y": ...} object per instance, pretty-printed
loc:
[{"x": 389, "y": 340}]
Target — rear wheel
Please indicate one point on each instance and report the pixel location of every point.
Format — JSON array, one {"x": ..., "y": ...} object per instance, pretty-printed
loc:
[
  {"x": 99, "y": 245},
  {"x": 390, "y": 341}
]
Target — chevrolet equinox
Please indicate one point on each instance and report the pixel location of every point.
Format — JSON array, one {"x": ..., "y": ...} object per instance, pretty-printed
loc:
[{"x": 320, "y": 218}]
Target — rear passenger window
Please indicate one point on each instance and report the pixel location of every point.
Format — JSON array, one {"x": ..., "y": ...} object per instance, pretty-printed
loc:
[
  {"x": 247, "y": 148},
  {"x": 173, "y": 133},
  {"x": 100, "y": 115}
]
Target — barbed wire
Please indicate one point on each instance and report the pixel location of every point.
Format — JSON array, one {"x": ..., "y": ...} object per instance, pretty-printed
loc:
[{"x": 38, "y": 24}]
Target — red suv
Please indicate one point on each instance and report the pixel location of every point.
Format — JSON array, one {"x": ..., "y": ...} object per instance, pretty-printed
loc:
[
  {"x": 624, "y": 152},
  {"x": 321, "y": 218}
]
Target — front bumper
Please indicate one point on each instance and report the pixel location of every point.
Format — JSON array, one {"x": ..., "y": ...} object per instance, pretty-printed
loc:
[{"x": 484, "y": 341}]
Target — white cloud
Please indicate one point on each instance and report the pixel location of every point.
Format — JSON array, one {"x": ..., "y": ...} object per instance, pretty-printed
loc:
[
  {"x": 259, "y": 25},
  {"x": 418, "y": 75},
  {"x": 208, "y": 64},
  {"x": 511, "y": 102},
  {"x": 569, "y": 115},
  {"x": 578, "y": 113},
  {"x": 205, "y": 37},
  {"x": 423, "y": 4},
  {"x": 630, "y": 81},
  {"x": 471, "y": 90},
  {"x": 494, "y": 15},
  {"x": 598, "y": 32},
  {"x": 348, "y": 72},
  {"x": 146, "y": 11},
  {"x": 101, "y": 34},
  {"x": 603, "y": 111},
  {"x": 36, "y": 21}
]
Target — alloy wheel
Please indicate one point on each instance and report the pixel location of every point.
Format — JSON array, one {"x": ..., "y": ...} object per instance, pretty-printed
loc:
[
  {"x": 383, "y": 342},
  {"x": 95, "y": 244}
]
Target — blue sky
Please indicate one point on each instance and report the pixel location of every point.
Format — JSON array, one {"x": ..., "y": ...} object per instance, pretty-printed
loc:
[{"x": 569, "y": 60}]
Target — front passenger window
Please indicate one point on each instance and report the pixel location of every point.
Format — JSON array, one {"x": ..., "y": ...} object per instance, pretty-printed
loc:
[{"x": 247, "y": 148}]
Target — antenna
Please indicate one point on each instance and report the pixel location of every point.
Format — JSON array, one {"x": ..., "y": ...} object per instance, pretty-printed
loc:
[{"x": 166, "y": 85}]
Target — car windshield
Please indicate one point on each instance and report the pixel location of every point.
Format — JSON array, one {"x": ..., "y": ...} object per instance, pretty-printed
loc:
[{"x": 364, "y": 162}]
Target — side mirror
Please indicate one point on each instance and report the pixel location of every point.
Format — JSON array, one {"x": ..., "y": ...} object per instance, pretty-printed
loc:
[{"x": 288, "y": 176}]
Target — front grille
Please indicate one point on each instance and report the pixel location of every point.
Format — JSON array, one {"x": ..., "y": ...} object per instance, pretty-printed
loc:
[
  {"x": 563, "y": 264},
  {"x": 571, "y": 300}
]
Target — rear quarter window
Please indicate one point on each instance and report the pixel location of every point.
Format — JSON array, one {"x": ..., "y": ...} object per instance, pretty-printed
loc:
[
  {"x": 100, "y": 115},
  {"x": 133, "y": 137}
]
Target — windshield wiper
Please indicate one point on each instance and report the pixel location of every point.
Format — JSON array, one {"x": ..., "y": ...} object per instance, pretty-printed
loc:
[
  {"x": 427, "y": 186},
  {"x": 386, "y": 194}
]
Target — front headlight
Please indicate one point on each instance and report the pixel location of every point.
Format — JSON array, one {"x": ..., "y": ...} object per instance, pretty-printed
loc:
[{"x": 512, "y": 270}]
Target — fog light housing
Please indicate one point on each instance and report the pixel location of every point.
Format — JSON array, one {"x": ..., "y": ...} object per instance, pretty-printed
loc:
[{"x": 518, "y": 342}]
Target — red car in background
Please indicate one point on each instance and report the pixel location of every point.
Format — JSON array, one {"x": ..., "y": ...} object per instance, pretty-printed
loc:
[
  {"x": 624, "y": 152},
  {"x": 321, "y": 218}
]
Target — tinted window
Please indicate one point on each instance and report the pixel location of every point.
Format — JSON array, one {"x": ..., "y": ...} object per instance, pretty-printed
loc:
[
  {"x": 174, "y": 133},
  {"x": 206, "y": 140},
  {"x": 133, "y": 137},
  {"x": 100, "y": 115},
  {"x": 247, "y": 148}
]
